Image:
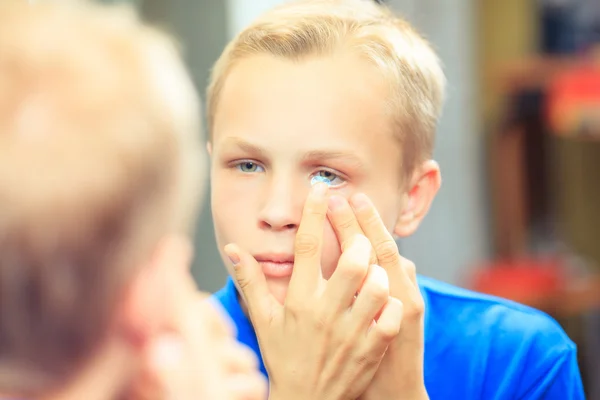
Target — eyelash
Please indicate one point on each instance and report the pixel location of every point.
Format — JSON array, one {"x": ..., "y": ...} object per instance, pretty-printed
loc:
[{"x": 240, "y": 164}]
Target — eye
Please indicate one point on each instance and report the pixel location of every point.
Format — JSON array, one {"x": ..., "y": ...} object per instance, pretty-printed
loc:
[
  {"x": 332, "y": 178},
  {"x": 249, "y": 167}
]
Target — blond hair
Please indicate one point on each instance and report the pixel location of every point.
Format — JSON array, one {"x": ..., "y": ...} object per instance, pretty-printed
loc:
[
  {"x": 99, "y": 158},
  {"x": 302, "y": 29}
]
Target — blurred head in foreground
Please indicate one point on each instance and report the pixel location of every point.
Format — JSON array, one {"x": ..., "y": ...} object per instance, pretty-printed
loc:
[{"x": 101, "y": 170}]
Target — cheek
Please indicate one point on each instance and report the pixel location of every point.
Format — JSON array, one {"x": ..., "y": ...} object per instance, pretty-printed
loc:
[
  {"x": 225, "y": 213},
  {"x": 389, "y": 211},
  {"x": 231, "y": 212}
]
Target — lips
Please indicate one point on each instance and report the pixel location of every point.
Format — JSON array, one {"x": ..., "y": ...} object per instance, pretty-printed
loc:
[{"x": 276, "y": 265}]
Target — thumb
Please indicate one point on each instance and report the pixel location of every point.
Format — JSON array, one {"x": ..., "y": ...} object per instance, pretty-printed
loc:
[{"x": 250, "y": 280}]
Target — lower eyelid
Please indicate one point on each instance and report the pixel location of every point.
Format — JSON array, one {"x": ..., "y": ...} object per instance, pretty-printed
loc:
[{"x": 334, "y": 185}]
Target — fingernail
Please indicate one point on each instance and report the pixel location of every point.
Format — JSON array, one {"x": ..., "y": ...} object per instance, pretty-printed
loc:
[
  {"x": 360, "y": 201},
  {"x": 233, "y": 256},
  {"x": 335, "y": 203},
  {"x": 320, "y": 188}
]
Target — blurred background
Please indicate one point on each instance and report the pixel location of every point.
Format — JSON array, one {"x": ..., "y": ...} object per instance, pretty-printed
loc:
[{"x": 518, "y": 214}]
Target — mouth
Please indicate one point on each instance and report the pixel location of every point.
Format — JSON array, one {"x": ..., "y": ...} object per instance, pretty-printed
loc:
[{"x": 276, "y": 265}]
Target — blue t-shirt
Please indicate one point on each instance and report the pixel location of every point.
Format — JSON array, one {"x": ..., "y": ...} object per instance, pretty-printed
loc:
[{"x": 476, "y": 346}]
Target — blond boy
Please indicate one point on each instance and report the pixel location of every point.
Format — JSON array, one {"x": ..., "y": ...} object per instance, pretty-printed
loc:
[
  {"x": 100, "y": 173},
  {"x": 346, "y": 91}
]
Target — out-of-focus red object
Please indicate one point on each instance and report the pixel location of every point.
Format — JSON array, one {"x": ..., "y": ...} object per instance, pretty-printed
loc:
[
  {"x": 537, "y": 283},
  {"x": 573, "y": 103}
]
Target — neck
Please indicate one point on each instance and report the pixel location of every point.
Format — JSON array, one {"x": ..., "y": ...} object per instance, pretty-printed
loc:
[{"x": 104, "y": 378}]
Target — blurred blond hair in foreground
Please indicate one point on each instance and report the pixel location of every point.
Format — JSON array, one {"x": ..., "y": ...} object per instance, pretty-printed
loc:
[{"x": 100, "y": 160}]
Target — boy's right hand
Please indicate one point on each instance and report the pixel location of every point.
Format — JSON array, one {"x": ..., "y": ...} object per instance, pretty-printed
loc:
[{"x": 324, "y": 342}]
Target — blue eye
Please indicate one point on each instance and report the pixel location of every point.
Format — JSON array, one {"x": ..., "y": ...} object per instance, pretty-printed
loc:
[
  {"x": 249, "y": 167},
  {"x": 328, "y": 177}
]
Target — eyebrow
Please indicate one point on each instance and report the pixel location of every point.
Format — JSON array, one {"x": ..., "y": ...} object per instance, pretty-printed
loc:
[
  {"x": 246, "y": 146},
  {"x": 311, "y": 156}
]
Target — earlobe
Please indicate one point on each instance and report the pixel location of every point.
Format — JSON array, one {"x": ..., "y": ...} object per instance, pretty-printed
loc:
[{"x": 424, "y": 185}]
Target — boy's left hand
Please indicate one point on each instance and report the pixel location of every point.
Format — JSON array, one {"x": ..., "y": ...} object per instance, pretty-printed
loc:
[{"x": 400, "y": 374}]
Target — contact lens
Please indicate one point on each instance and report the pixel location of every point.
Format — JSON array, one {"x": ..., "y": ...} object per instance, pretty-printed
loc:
[{"x": 318, "y": 178}]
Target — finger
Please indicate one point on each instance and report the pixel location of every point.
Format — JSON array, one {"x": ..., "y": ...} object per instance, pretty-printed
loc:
[
  {"x": 251, "y": 281},
  {"x": 401, "y": 272},
  {"x": 373, "y": 296},
  {"x": 344, "y": 222},
  {"x": 410, "y": 269},
  {"x": 239, "y": 358},
  {"x": 309, "y": 242},
  {"x": 247, "y": 387},
  {"x": 163, "y": 365},
  {"x": 388, "y": 325},
  {"x": 220, "y": 321},
  {"x": 409, "y": 342},
  {"x": 349, "y": 275},
  {"x": 386, "y": 249}
]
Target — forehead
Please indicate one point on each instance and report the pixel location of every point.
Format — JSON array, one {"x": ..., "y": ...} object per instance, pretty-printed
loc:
[{"x": 330, "y": 98}]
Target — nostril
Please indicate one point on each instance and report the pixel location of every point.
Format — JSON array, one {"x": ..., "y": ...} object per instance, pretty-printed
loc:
[{"x": 264, "y": 225}]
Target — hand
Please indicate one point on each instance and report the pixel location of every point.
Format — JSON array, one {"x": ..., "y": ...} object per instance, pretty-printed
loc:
[
  {"x": 198, "y": 359},
  {"x": 400, "y": 375},
  {"x": 322, "y": 343}
]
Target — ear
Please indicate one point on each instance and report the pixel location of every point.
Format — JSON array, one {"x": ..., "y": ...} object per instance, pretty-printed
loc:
[
  {"x": 209, "y": 148},
  {"x": 423, "y": 186},
  {"x": 149, "y": 298}
]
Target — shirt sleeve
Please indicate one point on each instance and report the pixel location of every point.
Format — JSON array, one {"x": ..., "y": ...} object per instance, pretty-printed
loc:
[{"x": 560, "y": 380}]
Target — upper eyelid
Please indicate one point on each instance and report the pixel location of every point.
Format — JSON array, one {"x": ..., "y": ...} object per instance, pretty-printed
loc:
[
  {"x": 338, "y": 175},
  {"x": 334, "y": 171},
  {"x": 245, "y": 160}
]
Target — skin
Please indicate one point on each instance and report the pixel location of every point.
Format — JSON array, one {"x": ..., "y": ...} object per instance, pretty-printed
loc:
[
  {"x": 167, "y": 341},
  {"x": 321, "y": 116},
  {"x": 278, "y": 123},
  {"x": 294, "y": 121},
  {"x": 191, "y": 351}
]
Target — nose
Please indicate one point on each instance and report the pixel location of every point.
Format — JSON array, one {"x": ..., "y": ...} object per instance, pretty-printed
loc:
[{"x": 282, "y": 207}]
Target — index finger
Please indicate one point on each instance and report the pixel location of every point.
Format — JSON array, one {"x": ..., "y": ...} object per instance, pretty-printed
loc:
[{"x": 309, "y": 242}]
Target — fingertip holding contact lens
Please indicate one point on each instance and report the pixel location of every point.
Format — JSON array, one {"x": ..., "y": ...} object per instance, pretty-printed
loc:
[{"x": 317, "y": 178}]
